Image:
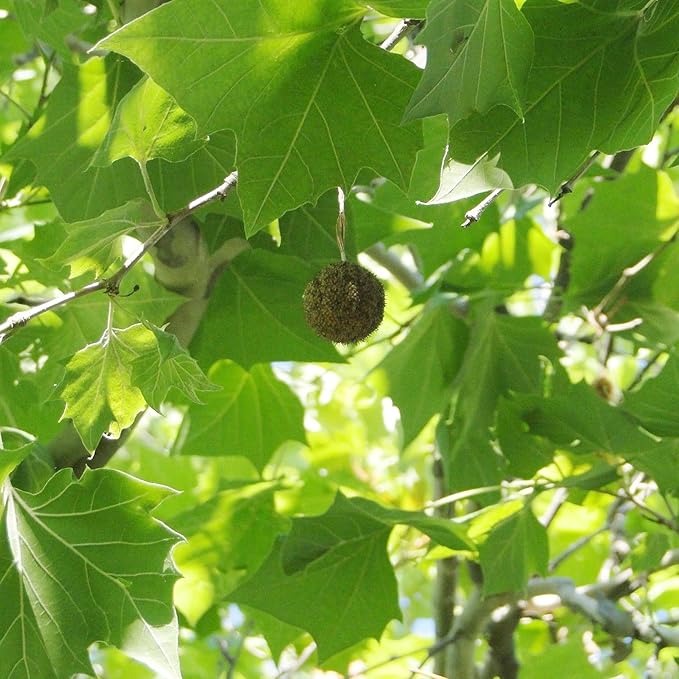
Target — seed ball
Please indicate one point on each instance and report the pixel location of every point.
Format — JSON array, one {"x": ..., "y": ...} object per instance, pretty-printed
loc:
[{"x": 344, "y": 303}]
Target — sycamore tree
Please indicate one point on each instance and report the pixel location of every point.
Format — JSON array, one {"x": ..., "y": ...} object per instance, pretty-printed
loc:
[{"x": 194, "y": 483}]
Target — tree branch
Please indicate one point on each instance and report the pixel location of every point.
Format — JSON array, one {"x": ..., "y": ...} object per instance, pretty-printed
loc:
[
  {"x": 392, "y": 263},
  {"x": 111, "y": 285},
  {"x": 402, "y": 29},
  {"x": 567, "y": 186},
  {"x": 473, "y": 215}
]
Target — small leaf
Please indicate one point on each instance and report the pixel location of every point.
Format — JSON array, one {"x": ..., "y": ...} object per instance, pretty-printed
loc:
[
  {"x": 515, "y": 549},
  {"x": 460, "y": 181},
  {"x": 83, "y": 561},
  {"x": 164, "y": 365},
  {"x": 91, "y": 245},
  {"x": 148, "y": 124},
  {"x": 97, "y": 388}
]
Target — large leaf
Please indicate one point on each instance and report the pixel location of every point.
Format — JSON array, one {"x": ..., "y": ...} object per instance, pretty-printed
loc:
[
  {"x": 82, "y": 561},
  {"x": 255, "y": 314},
  {"x": 478, "y": 56},
  {"x": 272, "y": 72},
  {"x": 599, "y": 80},
  {"x": 515, "y": 549},
  {"x": 346, "y": 594},
  {"x": 251, "y": 416},
  {"x": 436, "y": 346}
]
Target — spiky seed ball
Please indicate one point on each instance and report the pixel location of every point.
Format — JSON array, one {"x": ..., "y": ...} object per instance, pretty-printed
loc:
[{"x": 344, "y": 303}]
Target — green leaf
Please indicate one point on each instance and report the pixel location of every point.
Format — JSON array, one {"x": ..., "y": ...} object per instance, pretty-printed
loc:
[
  {"x": 656, "y": 404},
  {"x": 97, "y": 388},
  {"x": 252, "y": 415},
  {"x": 362, "y": 597},
  {"x": 109, "y": 382},
  {"x": 229, "y": 537},
  {"x": 255, "y": 314},
  {"x": 460, "y": 181},
  {"x": 515, "y": 549},
  {"x": 478, "y": 56},
  {"x": 93, "y": 244},
  {"x": 52, "y": 24},
  {"x": 283, "y": 79},
  {"x": 414, "y": 9},
  {"x": 148, "y": 124},
  {"x": 63, "y": 140},
  {"x": 11, "y": 458},
  {"x": 504, "y": 353},
  {"x": 164, "y": 365},
  {"x": 425, "y": 362},
  {"x": 82, "y": 561},
  {"x": 625, "y": 221},
  {"x": 309, "y": 233},
  {"x": 312, "y": 537},
  {"x": 599, "y": 80}
]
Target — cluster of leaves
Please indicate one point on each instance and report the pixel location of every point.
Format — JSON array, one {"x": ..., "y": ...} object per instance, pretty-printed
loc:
[{"x": 531, "y": 357}]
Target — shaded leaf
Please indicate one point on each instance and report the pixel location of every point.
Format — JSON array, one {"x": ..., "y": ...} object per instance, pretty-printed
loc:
[
  {"x": 478, "y": 56},
  {"x": 421, "y": 368},
  {"x": 515, "y": 549},
  {"x": 579, "y": 97},
  {"x": 251, "y": 415},
  {"x": 255, "y": 314}
]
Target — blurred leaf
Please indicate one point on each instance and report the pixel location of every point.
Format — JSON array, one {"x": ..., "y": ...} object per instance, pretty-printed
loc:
[
  {"x": 82, "y": 561},
  {"x": 514, "y": 550},
  {"x": 656, "y": 403},
  {"x": 229, "y": 537},
  {"x": 421, "y": 368}
]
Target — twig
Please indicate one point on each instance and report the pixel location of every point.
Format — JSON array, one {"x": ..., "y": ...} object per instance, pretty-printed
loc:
[
  {"x": 402, "y": 29},
  {"x": 644, "y": 370},
  {"x": 562, "y": 278},
  {"x": 567, "y": 186},
  {"x": 111, "y": 285},
  {"x": 597, "y": 315},
  {"x": 475, "y": 213},
  {"x": 341, "y": 225},
  {"x": 574, "y": 547},
  {"x": 558, "y": 501}
]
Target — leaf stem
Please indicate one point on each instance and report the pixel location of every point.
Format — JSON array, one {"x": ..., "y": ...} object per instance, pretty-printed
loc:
[{"x": 148, "y": 185}]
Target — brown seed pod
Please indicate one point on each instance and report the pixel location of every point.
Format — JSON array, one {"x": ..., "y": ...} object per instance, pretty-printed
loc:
[{"x": 344, "y": 303}]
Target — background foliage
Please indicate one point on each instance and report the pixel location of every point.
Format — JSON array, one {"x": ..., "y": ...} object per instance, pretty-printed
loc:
[{"x": 195, "y": 485}]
